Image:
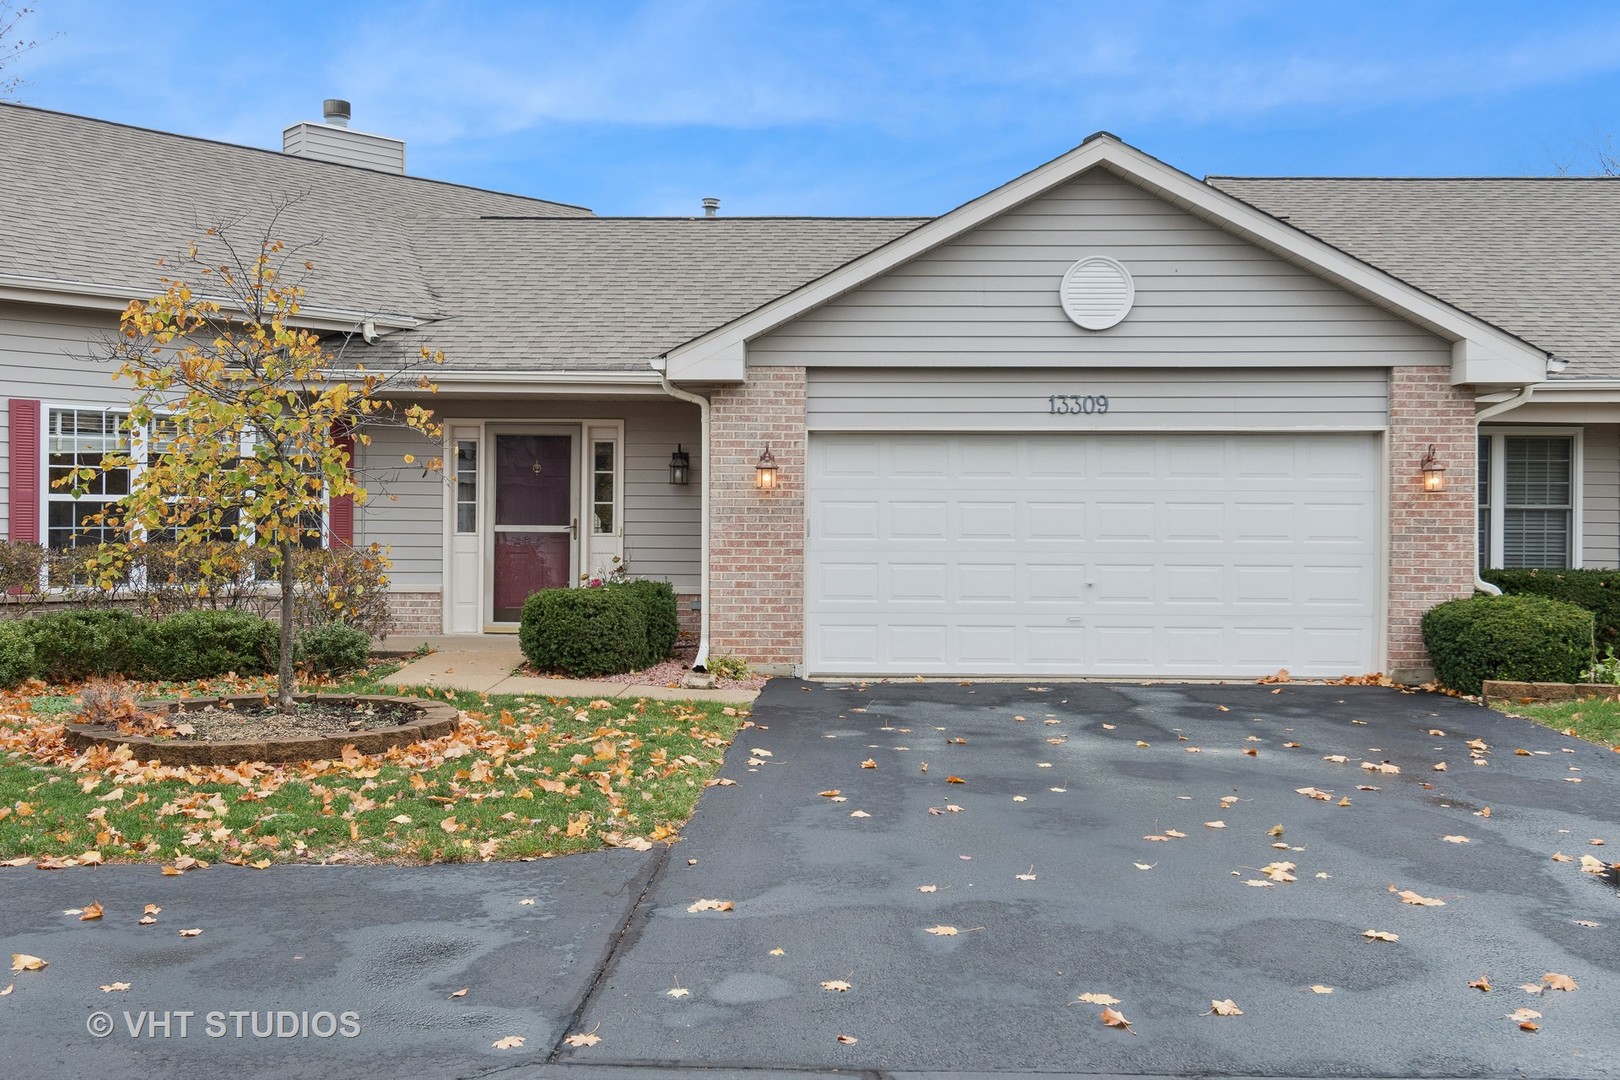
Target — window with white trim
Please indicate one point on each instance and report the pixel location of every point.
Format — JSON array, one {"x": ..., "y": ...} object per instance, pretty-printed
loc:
[
  {"x": 80, "y": 439},
  {"x": 1528, "y": 499}
]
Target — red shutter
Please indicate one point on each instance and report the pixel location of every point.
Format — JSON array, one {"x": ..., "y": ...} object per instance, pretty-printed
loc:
[
  {"x": 340, "y": 510},
  {"x": 24, "y": 490}
]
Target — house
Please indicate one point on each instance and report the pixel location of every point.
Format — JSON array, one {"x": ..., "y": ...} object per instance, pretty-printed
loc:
[{"x": 1106, "y": 419}]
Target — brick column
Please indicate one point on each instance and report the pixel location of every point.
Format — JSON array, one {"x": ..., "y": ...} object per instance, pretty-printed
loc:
[
  {"x": 756, "y": 539},
  {"x": 1431, "y": 536}
]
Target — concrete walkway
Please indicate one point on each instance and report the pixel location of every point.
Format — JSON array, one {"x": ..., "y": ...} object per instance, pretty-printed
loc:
[{"x": 491, "y": 663}]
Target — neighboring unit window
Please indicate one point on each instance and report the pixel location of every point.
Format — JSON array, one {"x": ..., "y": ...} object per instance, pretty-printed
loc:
[
  {"x": 602, "y": 494},
  {"x": 75, "y": 439},
  {"x": 466, "y": 485},
  {"x": 1527, "y": 505}
]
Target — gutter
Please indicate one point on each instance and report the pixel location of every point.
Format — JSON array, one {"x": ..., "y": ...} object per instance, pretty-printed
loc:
[
  {"x": 700, "y": 663},
  {"x": 1523, "y": 396}
]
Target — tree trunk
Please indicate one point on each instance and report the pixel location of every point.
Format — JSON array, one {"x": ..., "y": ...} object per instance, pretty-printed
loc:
[{"x": 285, "y": 683}]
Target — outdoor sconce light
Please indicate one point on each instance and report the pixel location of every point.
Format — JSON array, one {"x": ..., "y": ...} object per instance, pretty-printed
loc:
[
  {"x": 765, "y": 471},
  {"x": 680, "y": 466},
  {"x": 1434, "y": 473}
]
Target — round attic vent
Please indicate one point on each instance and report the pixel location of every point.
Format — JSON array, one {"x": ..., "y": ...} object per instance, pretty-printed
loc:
[{"x": 1097, "y": 292}]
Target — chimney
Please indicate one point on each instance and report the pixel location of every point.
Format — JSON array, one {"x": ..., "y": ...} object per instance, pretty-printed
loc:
[
  {"x": 711, "y": 207},
  {"x": 333, "y": 140}
]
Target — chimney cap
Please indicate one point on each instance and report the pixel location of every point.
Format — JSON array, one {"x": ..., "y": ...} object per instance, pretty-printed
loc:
[
  {"x": 711, "y": 206},
  {"x": 336, "y": 112}
]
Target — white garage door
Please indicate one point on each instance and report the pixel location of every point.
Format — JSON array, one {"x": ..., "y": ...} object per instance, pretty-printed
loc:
[{"x": 1152, "y": 555}]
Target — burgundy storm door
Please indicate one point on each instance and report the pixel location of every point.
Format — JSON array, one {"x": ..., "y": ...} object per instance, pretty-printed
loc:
[{"x": 535, "y": 521}]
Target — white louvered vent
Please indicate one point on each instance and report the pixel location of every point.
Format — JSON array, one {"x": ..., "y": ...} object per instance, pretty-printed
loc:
[{"x": 1097, "y": 292}]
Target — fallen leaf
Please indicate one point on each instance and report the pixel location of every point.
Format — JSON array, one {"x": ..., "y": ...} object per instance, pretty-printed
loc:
[
  {"x": 869, "y": 764},
  {"x": 1275, "y": 830},
  {"x": 848, "y": 1040},
  {"x": 1439, "y": 766},
  {"x": 170, "y": 871},
  {"x": 92, "y": 911},
  {"x": 1380, "y": 767},
  {"x": 928, "y": 888},
  {"x": 1175, "y": 833},
  {"x": 1556, "y": 981},
  {"x": 1142, "y": 745},
  {"x": 1586, "y": 922},
  {"x": 711, "y": 905},
  {"x": 1559, "y": 856},
  {"x": 1596, "y": 842},
  {"x": 512, "y": 1042},
  {"x": 260, "y": 864},
  {"x": 778, "y": 952},
  {"x": 1116, "y": 1020},
  {"x": 1478, "y": 744},
  {"x": 1144, "y": 865},
  {"x": 1482, "y": 983},
  {"x": 838, "y": 986},
  {"x": 1227, "y": 1007},
  {"x": 527, "y": 901},
  {"x": 830, "y": 793},
  {"x": 1592, "y": 865},
  {"x": 1380, "y": 935},
  {"x": 1193, "y": 749},
  {"x": 859, "y": 813},
  {"x": 955, "y": 780},
  {"x": 1521, "y": 752},
  {"x": 579, "y": 1038},
  {"x": 1456, "y": 839},
  {"x": 1523, "y": 1016},
  {"x": 21, "y": 961},
  {"x": 1337, "y": 759},
  {"x": 460, "y": 993},
  {"x": 678, "y": 992},
  {"x": 449, "y": 825},
  {"x": 1258, "y": 884},
  {"x": 1318, "y": 988},
  {"x": 1533, "y": 988},
  {"x": 1095, "y": 998},
  {"x": 193, "y": 932},
  {"x": 1030, "y": 876},
  {"x": 7, "y": 989},
  {"x": 1409, "y": 897},
  {"x": 114, "y": 988},
  {"x": 942, "y": 931},
  {"x": 1314, "y": 793},
  {"x": 90, "y": 858},
  {"x": 1214, "y": 824}
]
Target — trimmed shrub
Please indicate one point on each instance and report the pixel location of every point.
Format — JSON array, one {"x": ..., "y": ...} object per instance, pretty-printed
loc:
[
  {"x": 1518, "y": 638},
  {"x": 203, "y": 644},
  {"x": 657, "y": 599},
  {"x": 346, "y": 585},
  {"x": 74, "y": 645},
  {"x": 16, "y": 654},
  {"x": 332, "y": 649},
  {"x": 1598, "y": 591},
  {"x": 583, "y": 633}
]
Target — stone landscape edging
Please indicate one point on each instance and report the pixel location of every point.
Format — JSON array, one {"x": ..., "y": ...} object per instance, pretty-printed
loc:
[
  {"x": 434, "y": 719},
  {"x": 1498, "y": 692}
]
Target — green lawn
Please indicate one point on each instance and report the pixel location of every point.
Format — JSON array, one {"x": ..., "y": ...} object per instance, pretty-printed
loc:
[
  {"x": 524, "y": 777},
  {"x": 1596, "y": 721}
]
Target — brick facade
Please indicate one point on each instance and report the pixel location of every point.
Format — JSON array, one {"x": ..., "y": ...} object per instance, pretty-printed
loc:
[
  {"x": 1431, "y": 536},
  {"x": 756, "y": 546},
  {"x": 417, "y": 612}
]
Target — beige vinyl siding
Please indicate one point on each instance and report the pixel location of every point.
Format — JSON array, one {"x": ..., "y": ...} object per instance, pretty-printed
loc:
[
  {"x": 1204, "y": 298},
  {"x": 1600, "y": 480},
  {"x": 900, "y": 399},
  {"x": 661, "y": 540}
]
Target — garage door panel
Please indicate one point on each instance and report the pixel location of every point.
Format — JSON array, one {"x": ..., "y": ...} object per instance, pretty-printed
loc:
[{"x": 1131, "y": 555}]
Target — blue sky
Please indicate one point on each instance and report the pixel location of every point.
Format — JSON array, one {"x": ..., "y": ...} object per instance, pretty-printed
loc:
[{"x": 782, "y": 107}]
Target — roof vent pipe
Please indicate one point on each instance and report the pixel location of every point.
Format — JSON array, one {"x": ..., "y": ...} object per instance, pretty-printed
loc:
[
  {"x": 336, "y": 112},
  {"x": 711, "y": 207}
]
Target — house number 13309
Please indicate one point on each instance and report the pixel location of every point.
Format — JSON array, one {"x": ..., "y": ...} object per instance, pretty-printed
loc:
[{"x": 1074, "y": 403}]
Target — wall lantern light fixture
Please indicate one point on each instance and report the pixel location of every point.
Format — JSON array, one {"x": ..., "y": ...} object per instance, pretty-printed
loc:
[
  {"x": 765, "y": 471},
  {"x": 680, "y": 466},
  {"x": 1434, "y": 473}
]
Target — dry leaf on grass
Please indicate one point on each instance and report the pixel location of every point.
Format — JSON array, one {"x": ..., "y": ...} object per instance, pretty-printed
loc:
[{"x": 711, "y": 905}]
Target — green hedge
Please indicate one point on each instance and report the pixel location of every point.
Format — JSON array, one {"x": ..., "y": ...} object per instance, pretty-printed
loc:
[
  {"x": 1518, "y": 638},
  {"x": 1598, "y": 591},
  {"x": 657, "y": 599},
  {"x": 332, "y": 649},
  {"x": 69, "y": 646},
  {"x": 583, "y": 633}
]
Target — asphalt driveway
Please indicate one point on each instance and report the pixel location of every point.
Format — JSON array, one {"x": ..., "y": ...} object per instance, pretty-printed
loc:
[{"x": 1034, "y": 859}]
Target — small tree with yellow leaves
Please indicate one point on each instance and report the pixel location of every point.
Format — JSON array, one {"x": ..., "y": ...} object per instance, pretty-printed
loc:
[{"x": 236, "y": 422}]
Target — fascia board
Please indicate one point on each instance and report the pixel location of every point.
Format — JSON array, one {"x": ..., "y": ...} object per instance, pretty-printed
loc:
[{"x": 1514, "y": 359}]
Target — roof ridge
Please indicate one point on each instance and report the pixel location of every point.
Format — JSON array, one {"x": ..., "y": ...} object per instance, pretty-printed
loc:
[
  {"x": 281, "y": 155},
  {"x": 1421, "y": 179}
]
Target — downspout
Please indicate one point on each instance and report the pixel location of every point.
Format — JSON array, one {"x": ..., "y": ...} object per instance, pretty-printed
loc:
[
  {"x": 701, "y": 661},
  {"x": 1524, "y": 395}
]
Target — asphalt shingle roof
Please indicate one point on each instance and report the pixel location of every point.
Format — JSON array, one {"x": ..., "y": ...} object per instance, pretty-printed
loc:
[
  {"x": 612, "y": 293},
  {"x": 94, "y": 202},
  {"x": 1539, "y": 258}
]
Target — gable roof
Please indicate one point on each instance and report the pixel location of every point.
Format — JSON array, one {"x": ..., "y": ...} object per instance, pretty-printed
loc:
[
  {"x": 604, "y": 294},
  {"x": 1483, "y": 354},
  {"x": 93, "y": 205},
  {"x": 1539, "y": 257}
]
